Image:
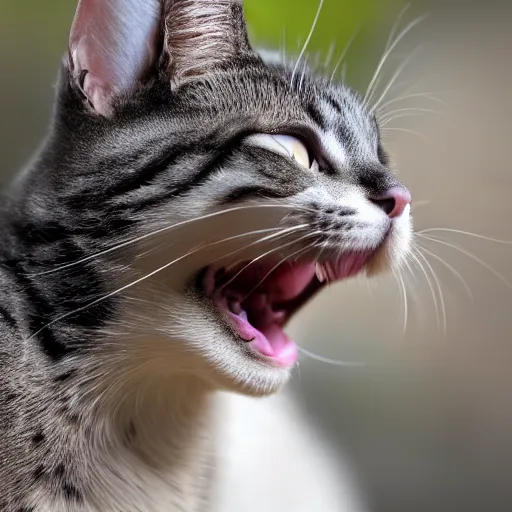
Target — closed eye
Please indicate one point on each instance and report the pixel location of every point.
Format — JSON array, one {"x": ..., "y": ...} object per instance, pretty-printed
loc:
[{"x": 284, "y": 145}]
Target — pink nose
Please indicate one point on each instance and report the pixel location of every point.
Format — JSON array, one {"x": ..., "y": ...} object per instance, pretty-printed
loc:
[{"x": 393, "y": 201}]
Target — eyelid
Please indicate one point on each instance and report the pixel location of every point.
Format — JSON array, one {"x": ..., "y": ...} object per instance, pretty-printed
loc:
[{"x": 285, "y": 145}]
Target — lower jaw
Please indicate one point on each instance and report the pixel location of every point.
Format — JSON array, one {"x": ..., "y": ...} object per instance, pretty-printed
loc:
[
  {"x": 268, "y": 341},
  {"x": 281, "y": 352}
]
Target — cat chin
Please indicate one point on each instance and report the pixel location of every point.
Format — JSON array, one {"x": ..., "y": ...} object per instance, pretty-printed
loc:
[
  {"x": 229, "y": 364},
  {"x": 183, "y": 334},
  {"x": 262, "y": 382}
]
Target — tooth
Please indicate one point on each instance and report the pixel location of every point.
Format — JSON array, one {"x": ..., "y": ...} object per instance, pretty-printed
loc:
[
  {"x": 319, "y": 271},
  {"x": 330, "y": 273},
  {"x": 243, "y": 314},
  {"x": 327, "y": 271}
]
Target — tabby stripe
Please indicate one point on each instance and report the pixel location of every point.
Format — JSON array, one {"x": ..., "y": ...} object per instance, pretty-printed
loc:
[
  {"x": 249, "y": 192},
  {"x": 334, "y": 104},
  {"x": 199, "y": 178},
  {"x": 147, "y": 174},
  {"x": 43, "y": 311},
  {"x": 150, "y": 172},
  {"x": 52, "y": 347},
  {"x": 316, "y": 116},
  {"x": 8, "y": 318}
]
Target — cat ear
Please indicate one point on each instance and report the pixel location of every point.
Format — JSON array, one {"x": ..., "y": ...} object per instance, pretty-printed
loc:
[
  {"x": 202, "y": 33},
  {"x": 112, "y": 45}
]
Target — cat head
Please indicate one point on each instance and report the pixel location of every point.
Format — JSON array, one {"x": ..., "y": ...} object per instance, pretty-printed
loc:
[{"x": 224, "y": 191}]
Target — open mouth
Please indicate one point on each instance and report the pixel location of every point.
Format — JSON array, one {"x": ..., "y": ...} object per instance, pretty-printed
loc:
[{"x": 257, "y": 299}]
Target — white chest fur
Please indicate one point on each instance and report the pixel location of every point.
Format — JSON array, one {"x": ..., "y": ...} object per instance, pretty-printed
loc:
[
  {"x": 268, "y": 457},
  {"x": 271, "y": 458}
]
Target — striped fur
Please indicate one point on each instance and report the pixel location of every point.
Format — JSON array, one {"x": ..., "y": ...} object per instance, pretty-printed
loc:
[{"x": 107, "y": 389}]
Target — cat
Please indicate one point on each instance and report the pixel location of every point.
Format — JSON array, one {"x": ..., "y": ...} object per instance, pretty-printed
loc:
[{"x": 190, "y": 198}]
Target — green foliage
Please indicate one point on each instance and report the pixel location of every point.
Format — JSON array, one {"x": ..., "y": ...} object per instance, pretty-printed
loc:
[
  {"x": 338, "y": 20},
  {"x": 44, "y": 23},
  {"x": 273, "y": 23},
  {"x": 278, "y": 23}
]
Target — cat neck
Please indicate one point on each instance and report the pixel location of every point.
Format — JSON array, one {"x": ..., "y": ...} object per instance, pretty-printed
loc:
[{"x": 159, "y": 438}]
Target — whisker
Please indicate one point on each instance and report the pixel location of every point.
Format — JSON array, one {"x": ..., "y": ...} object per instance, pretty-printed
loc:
[
  {"x": 497, "y": 274},
  {"x": 387, "y": 53},
  {"x": 303, "y": 75},
  {"x": 438, "y": 284},
  {"x": 157, "y": 232},
  {"x": 130, "y": 285},
  {"x": 393, "y": 128},
  {"x": 403, "y": 112},
  {"x": 468, "y": 233},
  {"x": 394, "y": 78},
  {"x": 412, "y": 274},
  {"x": 261, "y": 256},
  {"x": 344, "y": 73},
  {"x": 400, "y": 291},
  {"x": 324, "y": 246},
  {"x": 328, "y": 360},
  {"x": 330, "y": 54},
  {"x": 406, "y": 303},
  {"x": 418, "y": 204},
  {"x": 276, "y": 236},
  {"x": 308, "y": 39},
  {"x": 344, "y": 54},
  {"x": 427, "y": 95},
  {"x": 408, "y": 109},
  {"x": 283, "y": 57},
  {"x": 396, "y": 24},
  {"x": 410, "y": 269},
  {"x": 401, "y": 286},
  {"x": 284, "y": 232},
  {"x": 277, "y": 265},
  {"x": 399, "y": 116},
  {"x": 430, "y": 285},
  {"x": 451, "y": 268}
]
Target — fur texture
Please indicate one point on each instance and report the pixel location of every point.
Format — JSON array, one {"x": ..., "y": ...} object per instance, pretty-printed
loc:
[{"x": 111, "y": 355}]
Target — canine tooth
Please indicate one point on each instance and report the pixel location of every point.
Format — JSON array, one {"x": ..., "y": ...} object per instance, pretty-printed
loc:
[
  {"x": 320, "y": 273},
  {"x": 328, "y": 271},
  {"x": 243, "y": 314}
]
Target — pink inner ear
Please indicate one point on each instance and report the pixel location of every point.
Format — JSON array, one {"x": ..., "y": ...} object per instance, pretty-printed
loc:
[
  {"x": 98, "y": 83},
  {"x": 99, "y": 94},
  {"x": 115, "y": 42}
]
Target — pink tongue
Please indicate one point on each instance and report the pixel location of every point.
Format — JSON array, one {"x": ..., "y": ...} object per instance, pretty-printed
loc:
[{"x": 271, "y": 341}]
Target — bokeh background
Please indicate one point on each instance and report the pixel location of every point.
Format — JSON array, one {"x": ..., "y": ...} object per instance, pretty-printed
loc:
[{"x": 427, "y": 422}]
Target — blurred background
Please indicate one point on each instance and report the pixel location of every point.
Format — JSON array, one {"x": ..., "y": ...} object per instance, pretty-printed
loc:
[{"x": 427, "y": 422}]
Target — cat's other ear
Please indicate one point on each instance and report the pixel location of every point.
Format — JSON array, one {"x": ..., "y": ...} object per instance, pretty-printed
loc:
[
  {"x": 200, "y": 34},
  {"x": 113, "y": 44}
]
